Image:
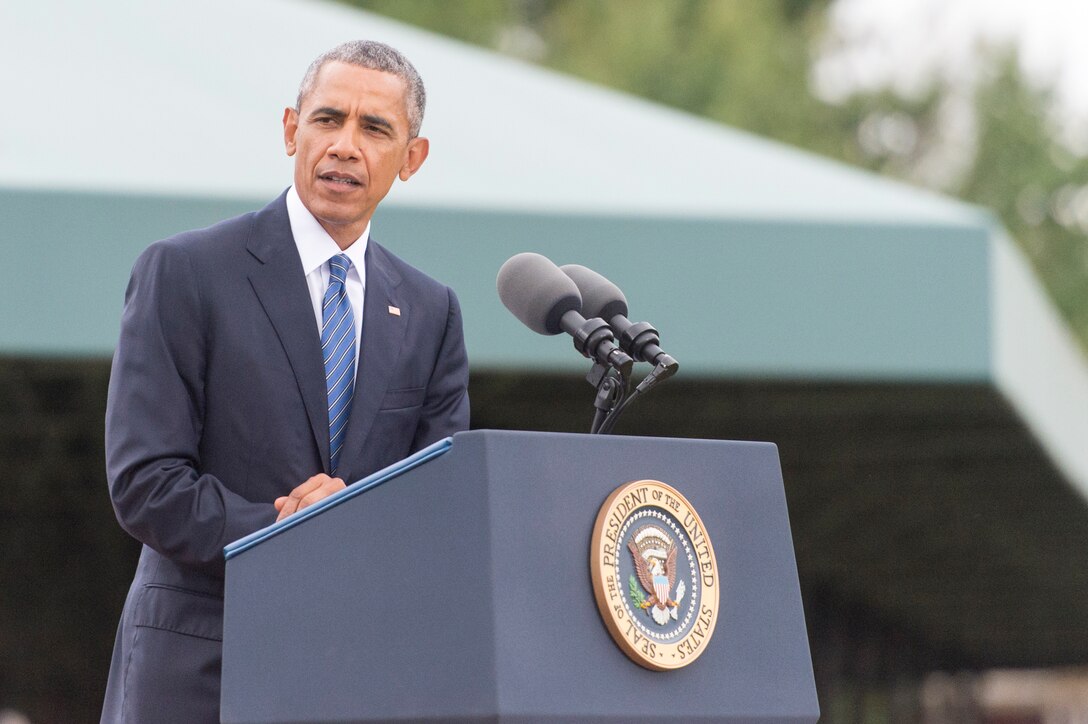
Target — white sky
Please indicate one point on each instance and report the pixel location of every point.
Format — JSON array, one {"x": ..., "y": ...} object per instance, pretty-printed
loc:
[{"x": 907, "y": 41}]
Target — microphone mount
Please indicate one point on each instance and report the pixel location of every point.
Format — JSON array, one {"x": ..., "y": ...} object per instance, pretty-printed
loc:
[
  {"x": 593, "y": 338},
  {"x": 642, "y": 341}
]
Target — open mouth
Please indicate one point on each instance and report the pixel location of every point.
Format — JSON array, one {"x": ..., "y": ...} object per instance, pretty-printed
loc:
[{"x": 341, "y": 180}]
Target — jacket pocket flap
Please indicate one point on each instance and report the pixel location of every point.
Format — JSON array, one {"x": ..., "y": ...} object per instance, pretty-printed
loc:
[
  {"x": 406, "y": 397},
  {"x": 180, "y": 611}
]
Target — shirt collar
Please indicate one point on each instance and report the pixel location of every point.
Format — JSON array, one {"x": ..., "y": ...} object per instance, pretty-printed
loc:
[{"x": 315, "y": 246}]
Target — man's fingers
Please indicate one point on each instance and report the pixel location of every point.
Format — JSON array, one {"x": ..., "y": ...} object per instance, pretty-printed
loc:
[
  {"x": 286, "y": 506},
  {"x": 304, "y": 489},
  {"x": 312, "y": 498},
  {"x": 316, "y": 488},
  {"x": 327, "y": 488}
]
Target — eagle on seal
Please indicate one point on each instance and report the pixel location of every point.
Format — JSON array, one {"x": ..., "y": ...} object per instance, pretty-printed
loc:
[{"x": 657, "y": 580}]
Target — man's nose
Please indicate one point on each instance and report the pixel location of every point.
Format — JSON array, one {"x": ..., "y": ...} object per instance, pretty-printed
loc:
[{"x": 346, "y": 144}]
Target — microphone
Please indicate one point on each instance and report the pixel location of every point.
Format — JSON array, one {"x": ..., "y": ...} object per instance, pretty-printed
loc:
[
  {"x": 602, "y": 298},
  {"x": 547, "y": 301}
]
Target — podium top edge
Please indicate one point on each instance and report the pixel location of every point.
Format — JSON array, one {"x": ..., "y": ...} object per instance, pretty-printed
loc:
[{"x": 614, "y": 438}]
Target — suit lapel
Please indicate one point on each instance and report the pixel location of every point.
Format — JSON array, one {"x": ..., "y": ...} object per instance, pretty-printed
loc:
[
  {"x": 281, "y": 287},
  {"x": 379, "y": 350}
]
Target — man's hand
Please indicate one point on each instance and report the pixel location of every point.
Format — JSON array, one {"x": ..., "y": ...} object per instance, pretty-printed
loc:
[{"x": 313, "y": 490}]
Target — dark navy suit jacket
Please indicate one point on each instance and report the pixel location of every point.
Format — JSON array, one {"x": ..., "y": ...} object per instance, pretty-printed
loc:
[{"x": 217, "y": 406}]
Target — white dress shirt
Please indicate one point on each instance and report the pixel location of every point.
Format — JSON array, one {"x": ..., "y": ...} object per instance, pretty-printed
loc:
[{"x": 315, "y": 248}]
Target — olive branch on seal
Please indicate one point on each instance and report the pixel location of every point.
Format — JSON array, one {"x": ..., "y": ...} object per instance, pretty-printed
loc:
[{"x": 635, "y": 590}]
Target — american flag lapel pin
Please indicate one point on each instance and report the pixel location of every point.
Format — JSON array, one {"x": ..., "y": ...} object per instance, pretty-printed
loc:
[{"x": 395, "y": 311}]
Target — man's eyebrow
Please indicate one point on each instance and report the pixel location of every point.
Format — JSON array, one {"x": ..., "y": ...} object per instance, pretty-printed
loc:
[
  {"x": 327, "y": 111},
  {"x": 377, "y": 121}
]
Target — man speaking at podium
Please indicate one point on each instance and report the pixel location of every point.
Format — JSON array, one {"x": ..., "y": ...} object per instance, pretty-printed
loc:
[{"x": 263, "y": 362}]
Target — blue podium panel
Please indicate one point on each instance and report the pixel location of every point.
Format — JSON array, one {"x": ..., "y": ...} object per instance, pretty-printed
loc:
[{"x": 460, "y": 589}]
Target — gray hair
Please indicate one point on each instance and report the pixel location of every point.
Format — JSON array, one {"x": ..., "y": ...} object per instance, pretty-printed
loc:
[{"x": 375, "y": 56}]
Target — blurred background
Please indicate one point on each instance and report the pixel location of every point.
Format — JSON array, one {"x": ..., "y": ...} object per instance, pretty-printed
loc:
[
  {"x": 884, "y": 271},
  {"x": 984, "y": 101}
]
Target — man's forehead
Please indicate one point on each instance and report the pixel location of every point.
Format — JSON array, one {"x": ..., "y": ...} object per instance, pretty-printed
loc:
[{"x": 350, "y": 83}]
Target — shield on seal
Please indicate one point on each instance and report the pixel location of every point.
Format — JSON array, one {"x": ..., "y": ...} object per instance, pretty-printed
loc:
[{"x": 661, "y": 590}]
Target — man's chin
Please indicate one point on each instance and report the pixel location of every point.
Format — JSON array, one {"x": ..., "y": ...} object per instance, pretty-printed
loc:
[{"x": 338, "y": 211}]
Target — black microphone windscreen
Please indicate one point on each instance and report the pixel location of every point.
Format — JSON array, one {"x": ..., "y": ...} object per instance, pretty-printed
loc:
[
  {"x": 600, "y": 297},
  {"x": 537, "y": 292}
]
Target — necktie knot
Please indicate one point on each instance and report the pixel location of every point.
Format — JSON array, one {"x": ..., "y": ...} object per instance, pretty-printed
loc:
[{"x": 338, "y": 268}]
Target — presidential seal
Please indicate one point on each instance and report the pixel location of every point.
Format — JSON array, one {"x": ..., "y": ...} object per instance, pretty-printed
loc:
[{"x": 654, "y": 575}]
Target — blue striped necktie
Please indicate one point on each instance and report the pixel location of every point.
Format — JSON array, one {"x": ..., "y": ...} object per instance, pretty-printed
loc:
[{"x": 338, "y": 350}]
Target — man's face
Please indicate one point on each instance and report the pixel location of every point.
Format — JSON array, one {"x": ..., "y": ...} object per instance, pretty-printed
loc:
[{"x": 350, "y": 140}]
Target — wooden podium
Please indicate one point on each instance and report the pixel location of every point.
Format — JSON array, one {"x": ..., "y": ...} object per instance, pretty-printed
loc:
[{"x": 456, "y": 587}]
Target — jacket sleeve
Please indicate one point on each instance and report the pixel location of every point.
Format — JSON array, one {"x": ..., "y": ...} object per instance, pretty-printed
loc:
[
  {"x": 445, "y": 408},
  {"x": 154, "y": 421}
]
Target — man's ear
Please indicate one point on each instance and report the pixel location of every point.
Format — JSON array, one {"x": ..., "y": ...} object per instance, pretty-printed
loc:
[
  {"x": 290, "y": 127},
  {"x": 418, "y": 148}
]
